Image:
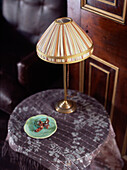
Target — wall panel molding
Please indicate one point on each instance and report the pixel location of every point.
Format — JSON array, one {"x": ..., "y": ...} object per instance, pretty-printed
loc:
[
  {"x": 111, "y": 77},
  {"x": 108, "y": 2},
  {"x": 114, "y": 10},
  {"x": 107, "y": 80}
]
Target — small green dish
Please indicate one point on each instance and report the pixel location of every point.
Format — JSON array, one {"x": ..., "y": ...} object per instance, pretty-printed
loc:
[{"x": 32, "y": 124}]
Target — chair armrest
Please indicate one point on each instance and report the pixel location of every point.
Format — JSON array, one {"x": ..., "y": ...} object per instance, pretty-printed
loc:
[
  {"x": 11, "y": 92},
  {"x": 28, "y": 69},
  {"x": 36, "y": 74}
]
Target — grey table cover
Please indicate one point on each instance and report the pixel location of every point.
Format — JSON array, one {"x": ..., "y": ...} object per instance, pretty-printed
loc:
[{"x": 78, "y": 139}]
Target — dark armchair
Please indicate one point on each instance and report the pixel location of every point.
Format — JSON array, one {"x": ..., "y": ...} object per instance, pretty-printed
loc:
[{"x": 22, "y": 73}]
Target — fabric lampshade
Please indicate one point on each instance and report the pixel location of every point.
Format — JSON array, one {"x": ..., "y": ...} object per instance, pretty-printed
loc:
[{"x": 64, "y": 42}]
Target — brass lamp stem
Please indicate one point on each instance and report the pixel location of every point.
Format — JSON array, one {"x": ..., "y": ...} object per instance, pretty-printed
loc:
[
  {"x": 65, "y": 83},
  {"x": 65, "y": 106}
]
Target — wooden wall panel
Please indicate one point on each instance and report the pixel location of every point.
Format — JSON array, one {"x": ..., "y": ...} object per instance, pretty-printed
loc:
[
  {"x": 110, "y": 45},
  {"x": 74, "y": 68},
  {"x": 101, "y": 80},
  {"x": 98, "y": 83},
  {"x": 113, "y": 9}
]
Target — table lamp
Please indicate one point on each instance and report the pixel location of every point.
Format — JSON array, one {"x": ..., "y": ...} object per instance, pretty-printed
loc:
[{"x": 64, "y": 42}]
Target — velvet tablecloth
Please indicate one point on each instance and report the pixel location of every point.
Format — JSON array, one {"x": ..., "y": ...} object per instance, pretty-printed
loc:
[{"x": 82, "y": 140}]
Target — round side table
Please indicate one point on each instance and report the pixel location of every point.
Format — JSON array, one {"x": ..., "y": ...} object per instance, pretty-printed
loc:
[{"x": 78, "y": 139}]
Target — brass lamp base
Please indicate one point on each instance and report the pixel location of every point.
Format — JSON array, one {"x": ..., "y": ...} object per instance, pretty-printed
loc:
[{"x": 65, "y": 106}]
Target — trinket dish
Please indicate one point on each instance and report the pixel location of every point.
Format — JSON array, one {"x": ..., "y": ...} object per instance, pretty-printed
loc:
[{"x": 33, "y": 123}]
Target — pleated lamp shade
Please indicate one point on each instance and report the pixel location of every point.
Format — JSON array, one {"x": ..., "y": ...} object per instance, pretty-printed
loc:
[{"x": 64, "y": 42}]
